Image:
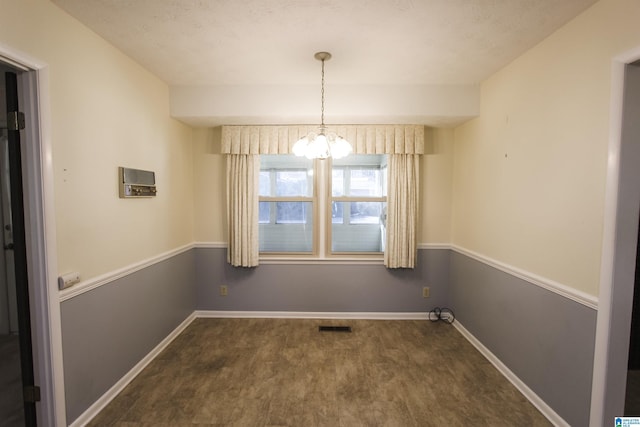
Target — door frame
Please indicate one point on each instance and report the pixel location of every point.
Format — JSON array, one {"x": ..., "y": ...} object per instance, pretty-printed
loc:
[
  {"x": 37, "y": 166},
  {"x": 619, "y": 243}
]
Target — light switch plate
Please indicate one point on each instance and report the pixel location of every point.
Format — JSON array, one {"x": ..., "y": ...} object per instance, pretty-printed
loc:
[{"x": 68, "y": 279}]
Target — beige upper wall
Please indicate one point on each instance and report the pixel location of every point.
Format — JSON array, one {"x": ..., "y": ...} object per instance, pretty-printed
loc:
[
  {"x": 436, "y": 170},
  {"x": 209, "y": 168},
  {"x": 105, "y": 111},
  {"x": 435, "y": 188},
  {"x": 529, "y": 173}
]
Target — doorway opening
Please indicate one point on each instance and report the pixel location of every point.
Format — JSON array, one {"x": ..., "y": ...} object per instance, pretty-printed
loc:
[
  {"x": 620, "y": 244},
  {"x": 19, "y": 393},
  {"x": 31, "y": 260}
]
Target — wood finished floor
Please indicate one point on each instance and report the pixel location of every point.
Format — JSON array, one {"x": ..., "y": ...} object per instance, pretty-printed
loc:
[
  {"x": 632, "y": 394},
  {"x": 11, "y": 409},
  {"x": 281, "y": 372}
]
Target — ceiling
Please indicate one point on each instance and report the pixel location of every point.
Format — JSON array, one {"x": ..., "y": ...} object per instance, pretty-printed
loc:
[{"x": 373, "y": 42}]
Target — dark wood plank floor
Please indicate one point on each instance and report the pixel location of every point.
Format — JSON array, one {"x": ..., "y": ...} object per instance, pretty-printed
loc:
[
  {"x": 277, "y": 372},
  {"x": 11, "y": 407},
  {"x": 632, "y": 394}
]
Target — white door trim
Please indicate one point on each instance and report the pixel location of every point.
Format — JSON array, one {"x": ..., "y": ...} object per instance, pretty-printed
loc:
[
  {"x": 612, "y": 342},
  {"x": 40, "y": 235}
]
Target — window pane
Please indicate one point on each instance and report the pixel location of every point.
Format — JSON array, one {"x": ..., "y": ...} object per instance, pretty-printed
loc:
[
  {"x": 357, "y": 225},
  {"x": 365, "y": 183},
  {"x": 285, "y": 175},
  {"x": 288, "y": 236},
  {"x": 337, "y": 213},
  {"x": 337, "y": 182},
  {"x": 359, "y": 212},
  {"x": 361, "y": 231},
  {"x": 385, "y": 175},
  {"x": 286, "y": 226},
  {"x": 365, "y": 212},
  {"x": 362, "y": 175},
  {"x": 265, "y": 183},
  {"x": 292, "y": 183},
  {"x": 293, "y": 212},
  {"x": 264, "y": 212}
]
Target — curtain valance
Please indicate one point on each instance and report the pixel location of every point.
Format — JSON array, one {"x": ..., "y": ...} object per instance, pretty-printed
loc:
[{"x": 365, "y": 139}]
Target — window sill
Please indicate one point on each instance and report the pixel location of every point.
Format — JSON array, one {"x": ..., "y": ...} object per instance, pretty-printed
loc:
[{"x": 322, "y": 261}]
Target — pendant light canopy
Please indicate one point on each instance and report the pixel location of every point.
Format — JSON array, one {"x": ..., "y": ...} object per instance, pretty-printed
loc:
[{"x": 322, "y": 144}]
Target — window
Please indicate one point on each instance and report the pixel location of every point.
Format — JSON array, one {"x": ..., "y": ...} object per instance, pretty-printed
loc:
[
  {"x": 358, "y": 204},
  {"x": 350, "y": 197},
  {"x": 287, "y": 217},
  {"x": 286, "y": 204}
]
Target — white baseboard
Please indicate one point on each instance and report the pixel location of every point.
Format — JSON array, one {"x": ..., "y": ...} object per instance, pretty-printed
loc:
[
  {"x": 310, "y": 315},
  {"x": 535, "y": 400},
  {"x": 106, "y": 398}
]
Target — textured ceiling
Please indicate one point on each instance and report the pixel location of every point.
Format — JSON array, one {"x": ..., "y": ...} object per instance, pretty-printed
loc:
[{"x": 376, "y": 42}]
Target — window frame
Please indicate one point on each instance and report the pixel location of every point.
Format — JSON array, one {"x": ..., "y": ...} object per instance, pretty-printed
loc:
[
  {"x": 273, "y": 220},
  {"x": 321, "y": 200},
  {"x": 273, "y": 214},
  {"x": 332, "y": 199}
]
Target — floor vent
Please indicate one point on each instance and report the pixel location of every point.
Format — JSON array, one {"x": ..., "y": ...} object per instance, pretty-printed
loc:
[{"x": 334, "y": 328}]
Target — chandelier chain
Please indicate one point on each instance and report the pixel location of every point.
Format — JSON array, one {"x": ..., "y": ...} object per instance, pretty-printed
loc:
[
  {"x": 318, "y": 144},
  {"x": 322, "y": 97}
]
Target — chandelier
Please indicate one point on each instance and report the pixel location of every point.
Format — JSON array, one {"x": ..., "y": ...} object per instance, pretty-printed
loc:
[{"x": 322, "y": 144}]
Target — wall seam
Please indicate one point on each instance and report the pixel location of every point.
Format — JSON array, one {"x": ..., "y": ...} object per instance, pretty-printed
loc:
[
  {"x": 96, "y": 282},
  {"x": 531, "y": 278}
]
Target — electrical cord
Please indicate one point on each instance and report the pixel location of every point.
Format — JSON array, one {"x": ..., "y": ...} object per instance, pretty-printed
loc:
[{"x": 444, "y": 314}]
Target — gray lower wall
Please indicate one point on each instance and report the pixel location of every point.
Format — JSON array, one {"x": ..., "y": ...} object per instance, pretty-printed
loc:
[
  {"x": 321, "y": 288},
  {"x": 545, "y": 339},
  {"x": 108, "y": 330}
]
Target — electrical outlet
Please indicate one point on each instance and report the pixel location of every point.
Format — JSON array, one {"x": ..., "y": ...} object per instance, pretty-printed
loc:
[
  {"x": 224, "y": 291},
  {"x": 425, "y": 292}
]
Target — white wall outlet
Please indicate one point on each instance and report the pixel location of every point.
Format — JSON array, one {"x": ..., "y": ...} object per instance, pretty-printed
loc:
[
  {"x": 224, "y": 291},
  {"x": 68, "y": 279},
  {"x": 425, "y": 292}
]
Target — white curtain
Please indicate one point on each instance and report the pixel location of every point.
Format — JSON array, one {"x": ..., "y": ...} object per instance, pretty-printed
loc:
[
  {"x": 243, "y": 145},
  {"x": 243, "y": 172},
  {"x": 402, "y": 210}
]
